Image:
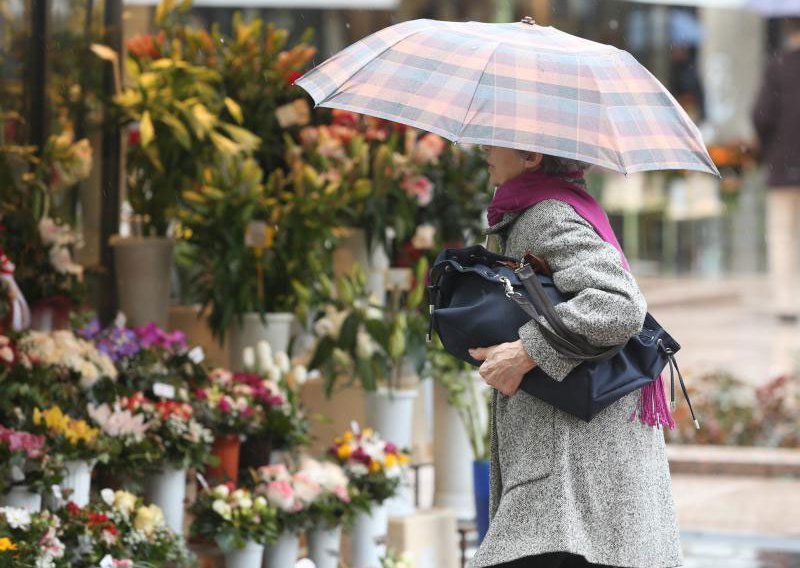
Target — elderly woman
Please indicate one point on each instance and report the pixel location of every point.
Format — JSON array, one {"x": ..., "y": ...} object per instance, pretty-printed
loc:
[{"x": 564, "y": 492}]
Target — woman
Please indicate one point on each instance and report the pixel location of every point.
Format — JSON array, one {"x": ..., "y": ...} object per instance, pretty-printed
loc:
[{"x": 564, "y": 492}]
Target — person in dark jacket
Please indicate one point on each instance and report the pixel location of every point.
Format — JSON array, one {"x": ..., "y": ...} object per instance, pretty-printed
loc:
[{"x": 776, "y": 117}]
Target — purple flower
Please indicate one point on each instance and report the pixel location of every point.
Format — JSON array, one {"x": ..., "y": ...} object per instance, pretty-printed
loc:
[
  {"x": 151, "y": 335},
  {"x": 91, "y": 330}
]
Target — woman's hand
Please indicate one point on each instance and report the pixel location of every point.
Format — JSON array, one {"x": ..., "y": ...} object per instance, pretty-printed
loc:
[{"x": 503, "y": 365}]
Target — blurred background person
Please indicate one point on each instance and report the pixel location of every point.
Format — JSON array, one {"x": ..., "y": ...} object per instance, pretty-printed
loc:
[{"x": 776, "y": 117}]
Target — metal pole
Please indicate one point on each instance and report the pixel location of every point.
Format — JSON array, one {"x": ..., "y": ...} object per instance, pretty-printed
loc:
[
  {"x": 39, "y": 40},
  {"x": 110, "y": 172}
]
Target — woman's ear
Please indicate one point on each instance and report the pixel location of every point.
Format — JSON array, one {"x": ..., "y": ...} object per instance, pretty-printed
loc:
[{"x": 533, "y": 161}]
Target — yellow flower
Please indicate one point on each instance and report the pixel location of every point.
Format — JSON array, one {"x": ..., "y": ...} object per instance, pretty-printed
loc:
[
  {"x": 404, "y": 459},
  {"x": 368, "y": 432},
  {"x": 390, "y": 461},
  {"x": 344, "y": 451},
  {"x": 125, "y": 502},
  {"x": 6, "y": 544},
  {"x": 148, "y": 519},
  {"x": 348, "y": 436},
  {"x": 374, "y": 466},
  {"x": 80, "y": 431}
]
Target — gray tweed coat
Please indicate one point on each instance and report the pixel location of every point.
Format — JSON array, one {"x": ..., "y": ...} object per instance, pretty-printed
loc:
[{"x": 599, "y": 489}]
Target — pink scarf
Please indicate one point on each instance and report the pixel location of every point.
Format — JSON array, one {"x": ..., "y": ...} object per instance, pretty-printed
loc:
[{"x": 530, "y": 188}]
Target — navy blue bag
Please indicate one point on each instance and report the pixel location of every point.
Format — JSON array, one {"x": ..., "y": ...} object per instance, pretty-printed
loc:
[{"x": 480, "y": 299}]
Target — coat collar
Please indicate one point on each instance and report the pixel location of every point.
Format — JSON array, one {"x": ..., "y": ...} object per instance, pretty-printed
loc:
[{"x": 508, "y": 219}]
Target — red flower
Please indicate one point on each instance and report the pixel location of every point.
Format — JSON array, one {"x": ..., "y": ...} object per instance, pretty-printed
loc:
[
  {"x": 143, "y": 46},
  {"x": 110, "y": 529},
  {"x": 292, "y": 76},
  {"x": 73, "y": 509},
  {"x": 133, "y": 137},
  {"x": 345, "y": 118}
]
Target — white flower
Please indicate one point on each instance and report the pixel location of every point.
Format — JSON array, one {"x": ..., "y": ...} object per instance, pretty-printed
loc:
[
  {"x": 108, "y": 496},
  {"x": 196, "y": 355},
  {"x": 124, "y": 502},
  {"x": 357, "y": 469},
  {"x": 281, "y": 495},
  {"x": 306, "y": 489},
  {"x": 274, "y": 374},
  {"x": 148, "y": 519},
  {"x": 324, "y": 327},
  {"x": 222, "y": 509},
  {"x": 16, "y": 518},
  {"x": 300, "y": 374},
  {"x": 245, "y": 503},
  {"x": 365, "y": 346},
  {"x": 282, "y": 362},
  {"x": 222, "y": 491},
  {"x": 264, "y": 352},
  {"x": 61, "y": 259},
  {"x": 305, "y": 563},
  {"x": 249, "y": 358}
]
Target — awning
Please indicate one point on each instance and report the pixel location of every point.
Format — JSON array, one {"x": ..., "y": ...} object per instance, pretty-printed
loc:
[{"x": 307, "y": 4}]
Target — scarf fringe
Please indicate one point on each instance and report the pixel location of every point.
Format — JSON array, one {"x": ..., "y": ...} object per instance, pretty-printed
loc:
[{"x": 653, "y": 409}]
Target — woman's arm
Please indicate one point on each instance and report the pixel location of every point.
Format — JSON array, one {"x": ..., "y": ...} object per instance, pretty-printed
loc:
[{"x": 607, "y": 308}]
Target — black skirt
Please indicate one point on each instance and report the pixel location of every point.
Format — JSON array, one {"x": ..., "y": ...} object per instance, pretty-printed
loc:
[{"x": 551, "y": 560}]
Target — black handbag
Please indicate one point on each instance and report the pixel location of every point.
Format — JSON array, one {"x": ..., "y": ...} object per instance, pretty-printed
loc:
[{"x": 480, "y": 299}]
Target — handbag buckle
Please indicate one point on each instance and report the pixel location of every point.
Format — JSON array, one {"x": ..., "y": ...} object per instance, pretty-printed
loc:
[{"x": 509, "y": 288}]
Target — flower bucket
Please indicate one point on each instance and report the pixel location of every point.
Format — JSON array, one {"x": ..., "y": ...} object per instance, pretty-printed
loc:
[
  {"x": 324, "y": 546},
  {"x": 78, "y": 478},
  {"x": 391, "y": 414},
  {"x": 144, "y": 267},
  {"x": 250, "y": 556},
  {"x": 167, "y": 489},
  {"x": 480, "y": 475},
  {"x": 453, "y": 458},
  {"x": 282, "y": 552},
  {"x": 226, "y": 449},
  {"x": 368, "y": 537},
  {"x": 50, "y": 314},
  {"x": 21, "y": 498},
  {"x": 275, "y": 329}
]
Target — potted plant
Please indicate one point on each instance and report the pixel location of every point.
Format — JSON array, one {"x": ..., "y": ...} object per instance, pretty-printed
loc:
[
  {"x": 179, "y": 121},
  {"x": 184, "y": 443},
  {"x": 377, "y": 469},
  {"x": 80, "y": 445},
  {"x": 284, "y": 426},
  {"x": 39, "y": 243},
  {"x": 231, "y": 410},
  {"x": 238, "y": 521},
  {"x": 462, "y": 434},
  {"x": 27, "y": 469},
  {"x": 333, "y": 509},
  {"x": 29, "y": 539},
  {"x": 291, "y": 495},
  {"x": 118, "y": 529},
  {"x": 381, "y": 347}
]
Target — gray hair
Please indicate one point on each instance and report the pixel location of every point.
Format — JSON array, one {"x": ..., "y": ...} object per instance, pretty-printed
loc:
[{"x": 556, "y": 165}]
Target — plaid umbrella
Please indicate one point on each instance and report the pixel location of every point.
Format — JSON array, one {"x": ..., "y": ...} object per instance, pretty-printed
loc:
[
  {"x": 775, "y": 8},
  {"x": 516, "y": 85}
]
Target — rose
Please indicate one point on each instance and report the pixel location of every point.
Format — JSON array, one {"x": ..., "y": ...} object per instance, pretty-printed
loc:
[
  {"x": 148, "y": 519},
  {"x": 428, "y": 149},
  {"x": 419, "y": 187},
  {"x": 280, "y": 494},
  {"x": 305, "y": 487}
]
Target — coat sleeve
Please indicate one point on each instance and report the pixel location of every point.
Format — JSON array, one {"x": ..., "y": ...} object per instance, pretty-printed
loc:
[{"x": 607, "y": 307}]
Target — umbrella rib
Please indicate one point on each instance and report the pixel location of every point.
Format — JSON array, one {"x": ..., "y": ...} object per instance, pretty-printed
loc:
[{"x": 477, "y": 86}]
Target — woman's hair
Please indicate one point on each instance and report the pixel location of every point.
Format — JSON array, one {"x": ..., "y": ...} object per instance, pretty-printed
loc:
[{"x": 555, "y": 165}]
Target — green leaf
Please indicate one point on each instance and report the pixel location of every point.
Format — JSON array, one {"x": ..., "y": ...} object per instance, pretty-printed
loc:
[
  {"x": 234, "y": 109},
  {"x": 178, "y": 130},
  {"x": 347, "y": 335},
  {"x": 246, "y": 139},
  {"x": 224, "y": 144},
  {"x": 146, "y": 130}
]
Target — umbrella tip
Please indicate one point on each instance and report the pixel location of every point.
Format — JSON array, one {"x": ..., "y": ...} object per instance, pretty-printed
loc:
[{"x": 528, "y": 20}]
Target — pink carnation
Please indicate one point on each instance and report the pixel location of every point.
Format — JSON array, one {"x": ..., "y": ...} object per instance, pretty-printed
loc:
[
  {"x": 419, "y": 187},
  {"x": 280, "y": 494},
  {"x": 341, "y": 492}
]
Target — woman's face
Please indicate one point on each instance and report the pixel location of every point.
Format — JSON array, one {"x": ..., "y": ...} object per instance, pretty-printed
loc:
[{"x": 507, "y": 163}]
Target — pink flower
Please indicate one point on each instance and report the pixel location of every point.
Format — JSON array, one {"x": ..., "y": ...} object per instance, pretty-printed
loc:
[
  {"x": 225, "y": 405},
  {"x": 16, "y": 441},
  {"x": 341, "y": 492},
  {"x": 275, "y": 472},
  {"x": 280, "y": 494},
  {"x": 419, "y": 187},
  {"x": 428, "y": 149},
  {"x": 309, "y": 136},
  {"x": 306, "y": 487}
]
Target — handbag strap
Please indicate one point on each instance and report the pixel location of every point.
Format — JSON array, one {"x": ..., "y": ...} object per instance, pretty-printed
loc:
[{"x": 560, "y": 337}]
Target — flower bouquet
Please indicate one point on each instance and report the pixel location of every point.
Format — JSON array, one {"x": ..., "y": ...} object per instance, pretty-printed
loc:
[
  {"x": 148, "y": 358},
  {"x": 237, "y": 520},
  {"x": 275, "y": 383},
  {"x": 51, "y": 369},
  {"x": 291, "y": 495},
  {"x": 26, "y": 463},
  {"x": 375, "y": 467},
  {"x": 29, "y": 539},
  {"x": 120, "y": 528},
  {"x": 334, "y": 508}
]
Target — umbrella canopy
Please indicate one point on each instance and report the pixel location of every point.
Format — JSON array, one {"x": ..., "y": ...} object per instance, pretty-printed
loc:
[
  {"x": 516, "y": 85},
  {"x": 775, "y": 8}
]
